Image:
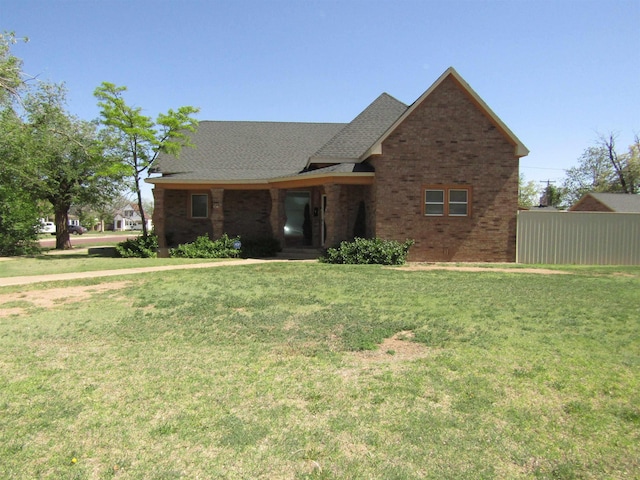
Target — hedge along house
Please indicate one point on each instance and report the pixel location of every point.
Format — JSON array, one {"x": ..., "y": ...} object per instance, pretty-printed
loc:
[{"x": 442, "y": 171}]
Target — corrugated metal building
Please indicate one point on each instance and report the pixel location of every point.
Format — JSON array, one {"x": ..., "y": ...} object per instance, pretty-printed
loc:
[{"x": 582, "y": 238}]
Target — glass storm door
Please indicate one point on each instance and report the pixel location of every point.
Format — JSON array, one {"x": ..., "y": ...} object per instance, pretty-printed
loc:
[{"x": 297, "y": 230}]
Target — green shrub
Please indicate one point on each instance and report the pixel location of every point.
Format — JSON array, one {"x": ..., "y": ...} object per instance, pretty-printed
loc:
[
  {"x": 204, "y": 247},
  {"x": 140, "y": 247},
  {"x": 18, "y": 215},
  {"x": 260, "y": 247},
  {"x": 369, "y": 251}
]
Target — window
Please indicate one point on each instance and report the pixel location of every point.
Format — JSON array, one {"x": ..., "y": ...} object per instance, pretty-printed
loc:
[
  {"x": 458, "y": 203},
  {"x": 442, "y": 201},
  {"x": 199, "y": 205},
  {"x": 434, "y": 202}
]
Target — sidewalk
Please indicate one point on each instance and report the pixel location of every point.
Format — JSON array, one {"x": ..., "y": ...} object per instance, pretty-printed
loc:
[{"x": 25, "y": 280}]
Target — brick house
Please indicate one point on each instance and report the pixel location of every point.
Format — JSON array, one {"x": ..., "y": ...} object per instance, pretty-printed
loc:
[
  {"x": 442, "y": 171},
  {"x": 608, "y": 202}
]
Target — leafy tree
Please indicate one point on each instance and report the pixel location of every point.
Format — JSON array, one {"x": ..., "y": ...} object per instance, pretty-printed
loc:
[
  {"x": 602, "y": 169},
  {"x": 18, "y": 211},
  {"x": 138, "y": 140},
  {"x": 46, "y": 155},
  {"x": 66, "y": 161},
  {"x": 528, "y": 193},
  {"x": 553, "y": 196},
  {"x": 10, "y": 68}
]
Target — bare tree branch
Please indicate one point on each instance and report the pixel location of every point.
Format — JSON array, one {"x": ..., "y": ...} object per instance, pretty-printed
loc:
[{"x": 610, "y": 144}]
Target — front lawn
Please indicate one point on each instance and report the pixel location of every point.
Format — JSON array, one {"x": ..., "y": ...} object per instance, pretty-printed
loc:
[{"x": 284, "y": 370}]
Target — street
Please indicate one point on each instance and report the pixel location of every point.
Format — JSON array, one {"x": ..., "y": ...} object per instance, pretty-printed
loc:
[{"x": 89, "y": 239}]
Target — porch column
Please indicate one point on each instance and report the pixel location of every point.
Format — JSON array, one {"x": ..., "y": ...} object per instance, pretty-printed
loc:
[
  {"x": 332, "y": 215},
  {"x": 158, "y": 220},
  {"x": 278, "y": 214},
  {"x": 216, "y": 214}
]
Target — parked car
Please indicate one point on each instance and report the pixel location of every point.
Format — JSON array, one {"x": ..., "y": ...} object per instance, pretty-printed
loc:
[
  {"x": 47, "y": 227},
  {"x": 76, "y": 229}
]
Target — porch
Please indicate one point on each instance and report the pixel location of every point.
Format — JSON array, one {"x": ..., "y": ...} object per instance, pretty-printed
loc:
[{"x": 300, "y": 218}]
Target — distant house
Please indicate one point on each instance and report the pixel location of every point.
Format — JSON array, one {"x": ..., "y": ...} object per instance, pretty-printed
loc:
[
  {"x": 129, "y": 218},
  {"x": 442, "y": 171},
  {"x": 608, "y": 202}
]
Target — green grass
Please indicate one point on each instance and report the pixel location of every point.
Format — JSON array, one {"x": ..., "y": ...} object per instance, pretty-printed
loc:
[{"x": 258, "y": 372}]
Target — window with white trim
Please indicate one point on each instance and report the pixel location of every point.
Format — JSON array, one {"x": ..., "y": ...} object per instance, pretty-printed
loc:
[
  {"x": 199, "y": 205},
  {"x": 441, "y": 201}
]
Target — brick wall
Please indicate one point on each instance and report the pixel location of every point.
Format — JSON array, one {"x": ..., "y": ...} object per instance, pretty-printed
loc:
[
  {"x": 179, "y": 228},
  {"x": 247, "y": 213},
  {"x": 448, "y": 140},
  {"x": 349, "y": 198}
]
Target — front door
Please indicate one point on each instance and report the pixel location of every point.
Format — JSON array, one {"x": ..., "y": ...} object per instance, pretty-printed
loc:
[{"x": 297, "y": 229}]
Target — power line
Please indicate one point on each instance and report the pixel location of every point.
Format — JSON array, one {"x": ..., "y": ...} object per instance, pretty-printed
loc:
[{"x": 544, "y": 168}]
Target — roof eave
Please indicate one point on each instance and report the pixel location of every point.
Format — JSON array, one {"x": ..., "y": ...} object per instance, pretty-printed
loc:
[
  {"x": 375, "y": 149},
  {"x": 332, "y": 160},
  {"x": 171, "y": 180},
  {"x": 309, "y": 179},
  {"x": 360, "y": 178}
]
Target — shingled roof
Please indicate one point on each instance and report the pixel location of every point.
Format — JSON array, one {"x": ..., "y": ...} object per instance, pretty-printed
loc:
[
  {"x": 616, "y": 202},
  {"x": 247, "y": 151},
  {"x": 241, "y": 152},
  {"x": 357, "y": 136}
]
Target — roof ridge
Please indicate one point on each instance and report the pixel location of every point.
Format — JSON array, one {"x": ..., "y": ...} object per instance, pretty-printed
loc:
[
  {"x": 391, "y": 97},
  {"x": 361, "y": 129}
]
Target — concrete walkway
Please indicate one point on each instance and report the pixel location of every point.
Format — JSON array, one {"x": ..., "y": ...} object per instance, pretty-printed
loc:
[{"x": 25, "y": 280}]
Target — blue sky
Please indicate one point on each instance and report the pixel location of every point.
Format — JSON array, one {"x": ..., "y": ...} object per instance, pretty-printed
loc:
[{"x": 558, "y": 73}]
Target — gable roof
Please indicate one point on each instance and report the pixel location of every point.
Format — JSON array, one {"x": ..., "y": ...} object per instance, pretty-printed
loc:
[
  {"x": 520, "y": 149},
  {"x": 356, "y": 137},
  {"x": 616, "y": 202},
  {"x": 260, "y": 152}
]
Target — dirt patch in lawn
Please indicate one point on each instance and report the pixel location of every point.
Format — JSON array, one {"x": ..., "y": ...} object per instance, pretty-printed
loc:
[
  {"x": 53, "y": 297},
  {"x": 398, "y": 348},
  {"x": 414, "y": 267}
]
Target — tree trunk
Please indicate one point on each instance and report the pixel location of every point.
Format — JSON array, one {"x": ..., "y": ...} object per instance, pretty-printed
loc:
[
  {"x": 142, "y": 214},
  {"x": 62, "y": 231}
]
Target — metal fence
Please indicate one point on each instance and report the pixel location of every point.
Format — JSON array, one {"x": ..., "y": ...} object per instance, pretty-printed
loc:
[{"x": 582, "y": 238}]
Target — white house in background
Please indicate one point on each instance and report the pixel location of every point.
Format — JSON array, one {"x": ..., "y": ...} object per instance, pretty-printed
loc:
[{"x": 128, "y": 218}]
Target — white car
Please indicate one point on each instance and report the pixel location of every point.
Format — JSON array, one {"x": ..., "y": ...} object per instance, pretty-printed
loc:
[{"x": 47, "y": 227}]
